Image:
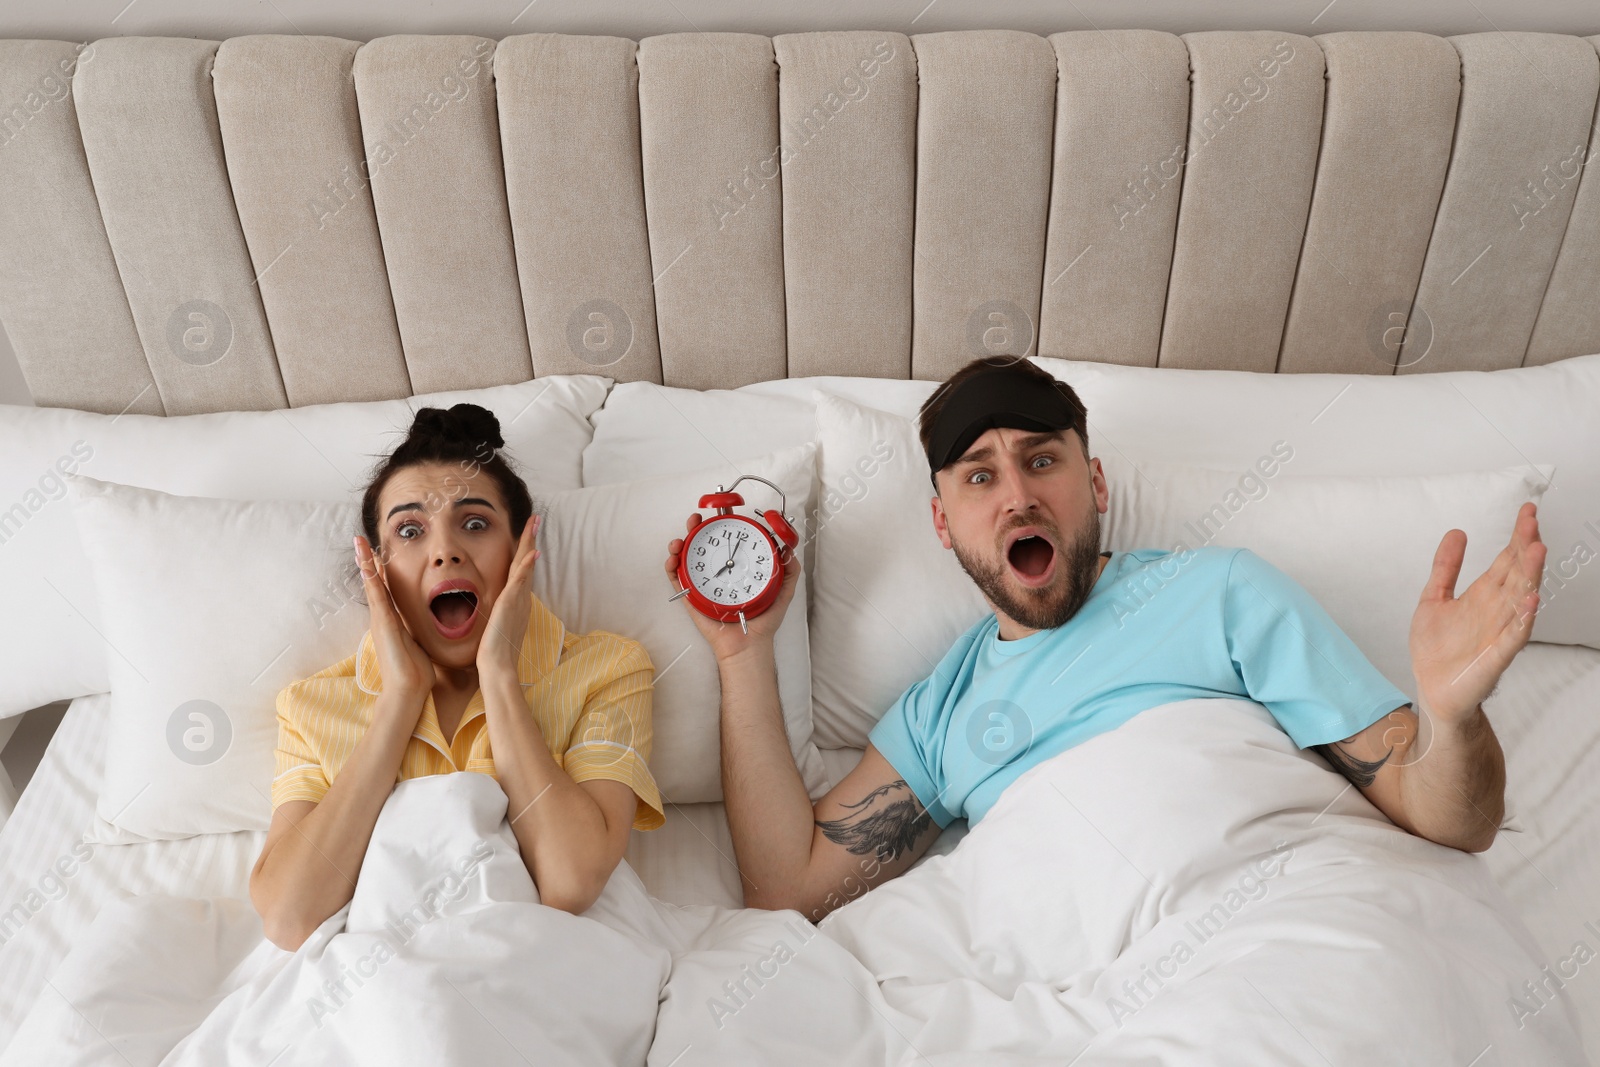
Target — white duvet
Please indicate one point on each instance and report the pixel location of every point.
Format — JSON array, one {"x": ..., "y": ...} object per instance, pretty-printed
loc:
[{"x": 1187, "y": 889}]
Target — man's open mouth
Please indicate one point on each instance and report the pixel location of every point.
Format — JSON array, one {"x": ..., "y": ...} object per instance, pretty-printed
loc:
[
  {"x": 454, "y": 611},
  {"x": 1032, "y": 559}
]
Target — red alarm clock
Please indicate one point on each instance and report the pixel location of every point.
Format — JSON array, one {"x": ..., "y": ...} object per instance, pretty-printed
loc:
[{"x": 730, "y": 566}]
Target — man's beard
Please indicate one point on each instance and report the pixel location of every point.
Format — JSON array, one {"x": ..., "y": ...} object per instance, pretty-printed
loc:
[{"x": 1050, "y": 606}]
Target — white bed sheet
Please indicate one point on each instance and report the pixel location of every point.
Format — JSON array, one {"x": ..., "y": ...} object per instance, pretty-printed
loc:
[
  {"x": 687, "y": 861},
  {"x": 1546, "y": 713},
  {"x": 53, "y": 884}
]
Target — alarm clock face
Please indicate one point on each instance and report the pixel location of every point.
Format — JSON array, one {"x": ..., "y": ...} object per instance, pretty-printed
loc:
[{"x": 729, "y": 561}]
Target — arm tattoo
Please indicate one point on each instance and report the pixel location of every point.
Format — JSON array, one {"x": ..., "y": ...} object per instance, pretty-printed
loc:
[
  {"x": 1361, "y": 772},
  {"x": 888, "y": 830}
]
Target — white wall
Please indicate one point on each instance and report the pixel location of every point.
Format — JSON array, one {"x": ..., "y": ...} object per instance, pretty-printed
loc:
[{"x": 364, "y": 19}]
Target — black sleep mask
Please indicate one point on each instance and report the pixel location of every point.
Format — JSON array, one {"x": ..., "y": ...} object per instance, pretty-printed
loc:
[{"x": 1002, "y": 396}]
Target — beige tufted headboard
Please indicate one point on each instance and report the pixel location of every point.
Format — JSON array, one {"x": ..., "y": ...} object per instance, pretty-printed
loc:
[{"x": 187, "y": 226}]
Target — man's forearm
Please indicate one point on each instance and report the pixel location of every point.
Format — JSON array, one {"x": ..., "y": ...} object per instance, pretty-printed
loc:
[
  {"x": 1453, "y": 781},
  {"x": 769, "y": 812}
]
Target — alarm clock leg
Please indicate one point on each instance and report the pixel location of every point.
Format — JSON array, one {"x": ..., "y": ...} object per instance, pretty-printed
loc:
[
  {"x": 742, "y": 627},
  {"x": 680, "y": 593}
]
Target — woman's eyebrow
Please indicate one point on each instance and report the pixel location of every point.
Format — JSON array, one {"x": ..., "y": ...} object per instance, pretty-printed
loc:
[{"x": 414, "y": 506}]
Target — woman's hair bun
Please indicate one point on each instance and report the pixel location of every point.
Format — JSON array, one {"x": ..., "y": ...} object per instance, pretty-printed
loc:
[
  {"x": 468, "y": 423},
  {"x": 464, "y": 434}
]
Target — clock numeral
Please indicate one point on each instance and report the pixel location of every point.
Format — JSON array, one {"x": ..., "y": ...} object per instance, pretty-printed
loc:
[
  {"x": 747, "y": 590},
  {"x": 714, "y": 541},
  {"x": 761, "y": 559},
  {"x": 699, "y": 550},
  {"x": 717, "y": 591},
  {"x": 760, "y": 576},
  {"x": 699, "y": 566}
]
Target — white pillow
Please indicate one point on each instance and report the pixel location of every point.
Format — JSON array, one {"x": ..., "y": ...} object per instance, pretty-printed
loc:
[
  {"x": 51, "y": 651},
  {"x": 1362, "y": 547},
  {"x": 646, "y": 429},
  {"x": 1360, "y": 424},
  {"x": 889, "y": 599},
  {"x": 209, "y": 608},
  {"x": 212, "y": 606},
  {"x": 600, "y": 568}
]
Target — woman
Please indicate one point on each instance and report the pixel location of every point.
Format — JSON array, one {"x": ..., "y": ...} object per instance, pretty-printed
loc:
[{"x": 462, "y": 670}]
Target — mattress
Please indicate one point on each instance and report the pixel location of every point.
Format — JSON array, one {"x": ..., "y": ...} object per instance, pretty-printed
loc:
[{"x": 53, "y": 884}]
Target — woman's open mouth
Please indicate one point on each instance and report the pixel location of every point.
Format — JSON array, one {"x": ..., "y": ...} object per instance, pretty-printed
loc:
[
  {"x": 1032, "y": 559},
  {"x": 454, "y": 605}
]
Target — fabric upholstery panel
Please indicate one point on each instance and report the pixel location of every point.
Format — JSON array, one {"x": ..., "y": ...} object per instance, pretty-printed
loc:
[
  {"x": 1386, "y": 137},
  {"x": 432, "y": 140},
  {"x": 287, "y": 110},
  {"x": 1254, "y": 132},
  {"x": 569, "y": 128},
  {"x": 149, "y": 125},
  {"x": 1569, "y": 317},
  {"x": 847, "y": 105},
  {"x": 1121, "y": 122},
  {"x": 61, "y": 297},
  {"x": 984, "y": 122},
  {"x": 1527, "y": 99},
  {"x": 713, "y": 188}
]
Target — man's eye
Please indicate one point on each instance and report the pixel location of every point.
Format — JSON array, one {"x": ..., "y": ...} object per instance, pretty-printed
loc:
[
  {"x": 973, "y": 478},
  {"x": 1047, "y": 460}
]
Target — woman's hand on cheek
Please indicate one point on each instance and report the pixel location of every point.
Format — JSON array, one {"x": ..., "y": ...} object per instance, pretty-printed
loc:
[
  {"x": 402, "y": 663},
  {"x": 508, "y": 615}
]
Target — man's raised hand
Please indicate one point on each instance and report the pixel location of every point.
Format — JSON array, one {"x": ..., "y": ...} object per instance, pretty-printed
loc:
[{"x": 1460, "y": 645}]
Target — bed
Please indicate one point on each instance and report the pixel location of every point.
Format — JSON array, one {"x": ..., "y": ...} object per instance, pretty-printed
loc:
[
  {"x": 698, "y": 251},
  {"x": 1550, "y": 868}
]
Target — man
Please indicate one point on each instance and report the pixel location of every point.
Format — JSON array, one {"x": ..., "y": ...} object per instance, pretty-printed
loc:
[{"x": 1018, "y": 499}]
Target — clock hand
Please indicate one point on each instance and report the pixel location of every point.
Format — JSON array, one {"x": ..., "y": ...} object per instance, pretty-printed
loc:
[{"x": 728, "y": 564}]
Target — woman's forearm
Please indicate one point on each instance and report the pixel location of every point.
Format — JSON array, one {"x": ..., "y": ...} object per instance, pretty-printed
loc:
[
  {"x": 310, "y": 873},
  {"x": 560, "y": 830}
]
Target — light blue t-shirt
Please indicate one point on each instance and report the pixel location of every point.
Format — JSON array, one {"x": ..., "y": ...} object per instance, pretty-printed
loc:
[{"x": 1158, "y": 626}]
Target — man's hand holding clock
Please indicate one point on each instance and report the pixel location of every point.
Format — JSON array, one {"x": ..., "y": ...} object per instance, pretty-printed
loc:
[{"x": 727, "y": 638}]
